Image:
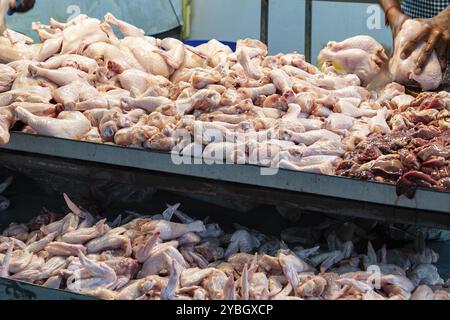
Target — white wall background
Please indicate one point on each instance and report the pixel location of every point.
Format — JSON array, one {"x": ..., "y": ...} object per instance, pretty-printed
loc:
[
  {"x": 227, "y": 20},
  {"x": 338, "y": 21},
  {"x": 154, "y": 16},
  {"x": 286, "y": 26},
  {"x": 230, "y": 20}
]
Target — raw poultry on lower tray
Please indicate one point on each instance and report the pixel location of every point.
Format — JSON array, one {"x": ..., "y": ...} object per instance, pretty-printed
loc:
[
  {"x": 152, "y": 257},
  {"x": 83, "y": 82}
]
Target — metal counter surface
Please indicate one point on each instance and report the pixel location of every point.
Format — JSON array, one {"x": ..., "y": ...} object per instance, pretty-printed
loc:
[
  {"x": 17, "y": 290},
  {"x": 306, "y": 183}
]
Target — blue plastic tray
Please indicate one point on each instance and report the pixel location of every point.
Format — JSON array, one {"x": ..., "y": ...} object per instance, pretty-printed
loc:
[{"x": 195, "y": 43}]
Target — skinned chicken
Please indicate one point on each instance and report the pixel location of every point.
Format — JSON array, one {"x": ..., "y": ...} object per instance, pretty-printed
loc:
[
  {"x": 86, "y": 83},
  {"x": 403, "y": 69},
  {"x": 160, "y": 258},
  {"x": 360, "y": 55}
]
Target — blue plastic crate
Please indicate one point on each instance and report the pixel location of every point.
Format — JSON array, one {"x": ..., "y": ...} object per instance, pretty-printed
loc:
[{"x": 195, "y": 43}]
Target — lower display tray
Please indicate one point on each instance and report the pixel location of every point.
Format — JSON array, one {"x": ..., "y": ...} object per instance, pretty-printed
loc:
[{"x": 16, "y": 290}]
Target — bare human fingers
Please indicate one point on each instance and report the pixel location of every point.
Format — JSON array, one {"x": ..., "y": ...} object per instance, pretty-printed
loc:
[
  {"x": 432, "y": 43},
  {"x": 412, "y": 45}
]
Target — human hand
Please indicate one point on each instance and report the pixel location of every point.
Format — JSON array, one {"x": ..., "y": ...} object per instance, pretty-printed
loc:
[{"x": 436, "y": 34}]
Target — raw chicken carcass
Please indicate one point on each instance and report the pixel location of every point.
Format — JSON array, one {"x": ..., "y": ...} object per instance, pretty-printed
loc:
[
  {"x": 403, "y": 69},
  {"x": 250, "y": 69},
  {"x": 139, "y": 91},
  {"x": 45, "y": 32},
  {"x": 354, "y": 61},
  {"x": 83, "y": 235},
  {"x": 41, "y": 244},
  {"x": 80, "y": 34},
  {"x": 322, "y": 168},
  {"x": 54, "y": 24},
  {"x": 361, "y": 55},
  {"x": 49, "y": 48},
  {"x": 7, "y": 77},
  {"x": 149, "y": 56},
  {"x": 365, "y": 43},
  {"x": 391, "y": 91},
  {"x": 12, "y": 52},
  {"x": 150, "y": 104},
  {"x": 16, "y": 37},
  {"x": 111, "y": 55}
]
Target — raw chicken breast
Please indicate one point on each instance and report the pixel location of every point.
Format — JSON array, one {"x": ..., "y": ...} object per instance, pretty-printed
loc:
[
  {"x": 403, "y": 70},
  {"x": 7, "y": 77}
]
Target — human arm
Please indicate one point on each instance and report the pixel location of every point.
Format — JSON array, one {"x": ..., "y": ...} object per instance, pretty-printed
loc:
[
  {"x": 394, "y": 15},
  {"x": 20, "y": 6}
]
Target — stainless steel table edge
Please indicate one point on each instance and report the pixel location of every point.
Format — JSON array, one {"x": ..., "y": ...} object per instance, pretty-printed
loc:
[
  {"x": 316, "y": 184},
  {"x": 18, "y": 290}
]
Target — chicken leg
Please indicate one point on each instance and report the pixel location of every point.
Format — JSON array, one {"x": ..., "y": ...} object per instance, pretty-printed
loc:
[
  {"x": 127, "y": 29},
  {"x": 68, "y": 125},
  {"x": 61, "y": 77}
]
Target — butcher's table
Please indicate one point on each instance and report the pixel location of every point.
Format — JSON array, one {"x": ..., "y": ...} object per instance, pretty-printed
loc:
[{"x": 309, "y": 192}]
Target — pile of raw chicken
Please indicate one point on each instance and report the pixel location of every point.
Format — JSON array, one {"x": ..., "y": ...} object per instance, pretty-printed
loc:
[
  {"x": 151, "y": 257},
  {"x": 83, "y": 82},
  {"x": 415, "y": 154}
]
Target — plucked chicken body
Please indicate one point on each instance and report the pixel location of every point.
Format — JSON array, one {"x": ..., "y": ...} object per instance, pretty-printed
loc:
[
  {"x": 10, "y": 52},
  {"x": 7, "y": 77},
  {"x": 88, "y": 83},
  {"x": 361, "y": 55},
  {"x": 365, "y": 43},
  {"x": 403, "y": 69},
  {"x": 81, "y": 34}
]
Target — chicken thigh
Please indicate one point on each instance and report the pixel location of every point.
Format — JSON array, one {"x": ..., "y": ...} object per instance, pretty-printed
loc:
[
  {"x": 68, "y": 125},
  {"x": 81, "y": 34}
]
